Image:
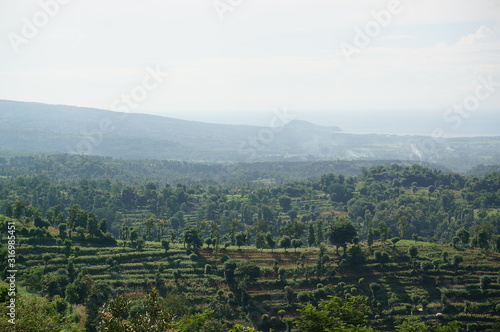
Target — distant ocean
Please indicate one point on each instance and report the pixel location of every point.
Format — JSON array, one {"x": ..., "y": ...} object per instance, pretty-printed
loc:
[{"x": 479, "y": 123}]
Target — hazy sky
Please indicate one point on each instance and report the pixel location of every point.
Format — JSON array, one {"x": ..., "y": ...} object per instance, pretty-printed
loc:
[{"x": 327, "y": 61}]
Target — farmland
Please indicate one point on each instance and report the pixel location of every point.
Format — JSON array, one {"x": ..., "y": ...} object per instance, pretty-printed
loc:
[{"x": 415, "y": 245}]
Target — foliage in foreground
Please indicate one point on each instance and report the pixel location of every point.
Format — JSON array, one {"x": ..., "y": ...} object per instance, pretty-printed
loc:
[
  {"x": 116, "y": 316},
  {"x": 36, "y": 313},
  {"x": 351, "y": 315}
]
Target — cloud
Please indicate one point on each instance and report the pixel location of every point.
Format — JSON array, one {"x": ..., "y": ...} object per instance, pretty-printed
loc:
[
  {"x": 483, "y": 35},
  {"x": 279, "y": 52}
]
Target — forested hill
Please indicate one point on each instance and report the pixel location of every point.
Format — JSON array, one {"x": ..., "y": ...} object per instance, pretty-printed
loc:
[
  {"x": 41, "y": 128},
  {"x": 66, "y": 167},
  {"x": 402, "y": 242}
]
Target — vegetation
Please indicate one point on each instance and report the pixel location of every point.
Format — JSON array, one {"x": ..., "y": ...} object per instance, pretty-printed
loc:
[{"x": 372, "y": 252}]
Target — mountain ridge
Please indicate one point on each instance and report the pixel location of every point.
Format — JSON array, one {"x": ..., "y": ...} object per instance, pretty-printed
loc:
[
  {"x": 73, "y": 108},
  {"x": 45, "y": 128}
]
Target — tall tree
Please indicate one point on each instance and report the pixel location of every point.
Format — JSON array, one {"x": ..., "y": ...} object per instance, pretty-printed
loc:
[
  {"x": 311, "y": 237},
  {"x": 285, "y": 202},
  {"x": 342, "y": 232},
  {"x": 285, "y": 242},
  {"x": 192, "y": 237}
]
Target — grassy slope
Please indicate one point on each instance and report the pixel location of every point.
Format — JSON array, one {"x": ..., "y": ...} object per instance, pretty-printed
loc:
[{"x": 137, "y": 272}]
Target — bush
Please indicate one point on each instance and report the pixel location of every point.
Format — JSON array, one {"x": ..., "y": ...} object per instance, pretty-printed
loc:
[
  {"x": 413, "y": 251},
  {"x": 303, "y": 297},
  {"x": 381, "y": 256}
]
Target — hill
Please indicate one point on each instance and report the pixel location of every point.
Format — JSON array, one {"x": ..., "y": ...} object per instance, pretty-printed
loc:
[
  {"x": 396, "y": 284},
  {"x": 252, "y": 252},
  {"x": 66, "y": 129},
  {"x": 74, "y": 167},
  {"x": 41, "y": 128}
]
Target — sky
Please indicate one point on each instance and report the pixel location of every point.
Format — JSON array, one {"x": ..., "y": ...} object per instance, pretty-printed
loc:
[{"x": 365, "y": 66}]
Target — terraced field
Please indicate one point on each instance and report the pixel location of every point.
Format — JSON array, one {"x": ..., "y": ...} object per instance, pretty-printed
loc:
[{"x": 425, "y": 285}]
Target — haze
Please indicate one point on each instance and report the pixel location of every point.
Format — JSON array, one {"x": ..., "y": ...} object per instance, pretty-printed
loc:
[{"x": 236, "y": 62}]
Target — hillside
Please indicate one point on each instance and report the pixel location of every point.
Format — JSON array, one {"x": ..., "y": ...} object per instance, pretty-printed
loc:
[
  {"x": 403, "y": 238},
  {"x": 41, "y": 128},
  {"x": 396, "y": 284},
  {"x": 130, "y": 171}
]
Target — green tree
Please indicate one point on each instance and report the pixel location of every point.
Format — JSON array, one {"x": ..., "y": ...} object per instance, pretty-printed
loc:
[
  {"x": 384, "y": 230},
  {"x": 311, "y": 238},
  {"x": 198, "y": 322},
  {"x": 9, "y": 211},
  {"x": 415, "y": 237},
  {"x": 342, "y": 232},
  {"x": 414, "y": 188},
  {"x": 62, "y": 230},
  {"x": 303, "y": 297},
  {"x": 293, "y": 214},
  {"x": 77, "y": 217},
  {"x": 192, "y": 237},
  {"x": 209, "y": 242},
  {"x": 374, "y": 287},
  {"x": 134, "y": 235},
  {"x": 99, "y": 295},
  {"x": 456, "y": 261},
  {"x": 115, "y": 314},
  {"x": 140, "y": 243},
  {"x": 92, "y": 225},
  {"x": 241, "y": 239},
  {"x": 403, "y": 226},
  {"x": 260, "y": 240},
  {"x": 248, "y": 270},
  {"x": 413, "y": 324},
  {"x": 369, "y": 239},
  {"x": 297, "y": 243},
  {"x": 77, "y": 291},
  {"x": 271, "y": 243},
  {"x": 18, "y": 209},
  {"x": 46, "y": 258},
  {"x": 481, "y": 235},
  {"x": 395, "y": 240},
  {"x": 241, "y": 328},
  {"x": 285, "y": 202},
  {"x": 413, "y": 251},
  {"x": 35, "y": 313},
  {"x": 55, "y": 216},
  {"x": 103, "y": 225},
  {"x": 484, "y": 283},
  {"x": 285, "y": 242},
  {"x": 166, "y": 245},
  {"x": 335, "y": 315},
  {"x": 463, "y": 235}
]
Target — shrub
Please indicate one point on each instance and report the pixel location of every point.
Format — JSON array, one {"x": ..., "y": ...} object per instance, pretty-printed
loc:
[
  {"x": 413, "y": 251},
  {"x": 381, "y": 256},
  {"x": 303, "y": 297},
  {"x": 484, "y": 283}
]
